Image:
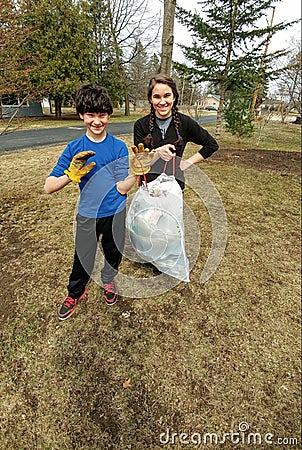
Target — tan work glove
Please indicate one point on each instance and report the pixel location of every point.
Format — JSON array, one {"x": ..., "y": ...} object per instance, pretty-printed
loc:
[
  {"x": 140, "y": 159},
  {"x": 77, "y": 168}
]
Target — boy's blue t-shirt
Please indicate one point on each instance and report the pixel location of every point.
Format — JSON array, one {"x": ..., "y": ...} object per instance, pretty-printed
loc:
[{"x": 98, "y": 194}]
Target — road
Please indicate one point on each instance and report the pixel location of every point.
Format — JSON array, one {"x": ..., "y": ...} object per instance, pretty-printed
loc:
[{"x": 19, "y": 140}]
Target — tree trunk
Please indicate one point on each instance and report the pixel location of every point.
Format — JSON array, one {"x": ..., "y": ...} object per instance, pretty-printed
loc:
[
  {"x": 127, "y": 104},
  {"x": 58, "y": 109},
  {"x": 219, "y": 112},
  {"x": 226, "y": 71},
  {"x": 262, "y": 66},
  {"x": 167, "y": 37}
]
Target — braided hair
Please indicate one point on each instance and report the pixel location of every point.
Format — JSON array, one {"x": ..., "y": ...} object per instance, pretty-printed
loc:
[{"x": 163, "y": 79}]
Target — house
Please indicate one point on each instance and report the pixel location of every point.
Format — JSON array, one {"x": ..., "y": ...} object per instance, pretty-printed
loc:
[
  {"x": 211, "y": 100},
  {"x": 11, "y": 105}
]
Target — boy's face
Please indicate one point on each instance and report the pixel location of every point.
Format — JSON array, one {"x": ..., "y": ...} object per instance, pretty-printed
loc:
[{"x": 96, "y": 124}]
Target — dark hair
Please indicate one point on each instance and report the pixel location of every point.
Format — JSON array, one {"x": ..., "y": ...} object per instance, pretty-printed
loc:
[
  {"x": 92, "y": 98},
  {"x": 163, "y": 79}
]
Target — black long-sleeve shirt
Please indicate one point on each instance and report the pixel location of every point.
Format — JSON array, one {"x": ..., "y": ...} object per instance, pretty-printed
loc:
[{"x": 190, "y": 131}]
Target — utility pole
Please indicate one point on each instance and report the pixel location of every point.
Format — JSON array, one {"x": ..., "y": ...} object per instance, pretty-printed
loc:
[{"x": 167, "y": 37}]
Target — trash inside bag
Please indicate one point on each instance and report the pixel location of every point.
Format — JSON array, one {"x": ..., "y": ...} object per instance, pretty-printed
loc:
[{"x": 155, "y": 226}]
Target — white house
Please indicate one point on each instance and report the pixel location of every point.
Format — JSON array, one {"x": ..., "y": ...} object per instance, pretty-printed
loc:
[{"x": 211, "y": 100}]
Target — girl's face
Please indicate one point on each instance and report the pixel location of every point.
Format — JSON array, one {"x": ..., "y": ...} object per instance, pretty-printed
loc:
[
  {"x": 162, "y": 99},
  {"x": 96, "y": 124}
]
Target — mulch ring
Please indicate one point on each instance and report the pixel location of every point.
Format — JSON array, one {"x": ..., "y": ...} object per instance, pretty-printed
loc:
[{"x": 286, "y": 163}]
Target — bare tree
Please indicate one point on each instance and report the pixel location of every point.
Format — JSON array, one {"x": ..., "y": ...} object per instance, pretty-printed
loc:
[
  {"x": 288, "y": 86},
  {"x": 133, "y": 30}
]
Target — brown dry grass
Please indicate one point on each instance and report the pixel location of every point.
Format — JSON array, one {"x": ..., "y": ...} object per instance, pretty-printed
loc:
[{"x": 201, "y": 358}]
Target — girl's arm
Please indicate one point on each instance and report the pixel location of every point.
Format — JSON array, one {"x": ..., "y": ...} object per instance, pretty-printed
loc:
[
  {"x": 200, "y": 136},
  {"x": 186, "y": 163}
]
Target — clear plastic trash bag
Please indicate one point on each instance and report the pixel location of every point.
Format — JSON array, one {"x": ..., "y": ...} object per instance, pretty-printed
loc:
[{"x": 155, "y": 226}]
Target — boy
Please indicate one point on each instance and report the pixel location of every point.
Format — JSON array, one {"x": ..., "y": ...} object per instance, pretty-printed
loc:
[{"x": 103, "y": 183}]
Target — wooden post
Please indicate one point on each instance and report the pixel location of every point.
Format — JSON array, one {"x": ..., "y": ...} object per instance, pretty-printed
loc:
[{"x": 167, "y": 37}]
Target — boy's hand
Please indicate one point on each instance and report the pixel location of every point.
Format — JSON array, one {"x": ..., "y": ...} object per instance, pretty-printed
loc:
[
  {"x": 140, "y": 159},
  {"x": 77, "y": 168}
]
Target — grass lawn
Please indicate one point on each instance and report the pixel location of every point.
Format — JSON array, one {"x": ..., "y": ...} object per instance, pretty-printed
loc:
[
  {"x": 274, "y": 136},
  {"x": 202, "y": 358}
]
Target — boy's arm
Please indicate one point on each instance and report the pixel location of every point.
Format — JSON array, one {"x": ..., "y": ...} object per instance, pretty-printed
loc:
[
  {"x": 54, "y": 184},
  {"x": 125, "y": 185},
  {"x": 76, "y": 170}
]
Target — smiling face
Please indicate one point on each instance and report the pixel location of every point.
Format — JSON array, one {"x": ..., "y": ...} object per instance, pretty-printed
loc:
[
  {"x": 96, "y": 124},
  {"x": 162, "y": 100}
]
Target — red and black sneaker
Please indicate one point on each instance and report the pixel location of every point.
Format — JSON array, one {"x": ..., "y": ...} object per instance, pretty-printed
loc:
[
  {"x": 68, "y": 306},
  {"x": 110, "y": 293}
]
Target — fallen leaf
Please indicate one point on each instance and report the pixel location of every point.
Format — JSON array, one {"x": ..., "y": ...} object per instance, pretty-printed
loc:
[{"x": 126, "y": 383}]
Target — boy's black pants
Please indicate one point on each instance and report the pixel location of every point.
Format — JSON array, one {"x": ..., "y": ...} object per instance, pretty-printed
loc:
[{"x": 88, "y": 231}]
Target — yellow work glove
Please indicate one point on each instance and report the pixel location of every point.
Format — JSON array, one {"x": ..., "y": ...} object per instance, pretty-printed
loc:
[
  {"x": 77, "y": 168},
  {"x": 140, "y": 159}
]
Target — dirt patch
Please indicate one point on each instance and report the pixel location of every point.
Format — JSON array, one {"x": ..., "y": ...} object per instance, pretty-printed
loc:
[{"x": 287, "y": 163}]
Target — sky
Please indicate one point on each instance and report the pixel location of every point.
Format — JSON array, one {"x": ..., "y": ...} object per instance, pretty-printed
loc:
[{"x": 286, "y": 11}]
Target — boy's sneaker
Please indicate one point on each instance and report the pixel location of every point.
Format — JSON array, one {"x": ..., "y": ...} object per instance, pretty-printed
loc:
[
  {"x": 110, "y": 293},
  {"x": 68, "y": 306}
]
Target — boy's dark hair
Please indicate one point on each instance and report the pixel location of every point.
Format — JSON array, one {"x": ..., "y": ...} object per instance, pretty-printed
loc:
[{"x": 92, "y": 98}]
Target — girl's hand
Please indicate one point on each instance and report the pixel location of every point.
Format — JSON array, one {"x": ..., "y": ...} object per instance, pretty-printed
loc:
[
  {"x": 140, "y": 160},
  {"x": 166, "y": 152}
]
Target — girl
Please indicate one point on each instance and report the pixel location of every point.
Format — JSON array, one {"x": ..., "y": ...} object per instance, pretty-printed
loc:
[{"x": 168, "y": 131}]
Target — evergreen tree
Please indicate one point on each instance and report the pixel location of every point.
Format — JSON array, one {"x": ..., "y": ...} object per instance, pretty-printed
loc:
[
  {"x": 236, "y": 114},
  {"x": 61, "y": 39},
  {"x": 228, "y": 43},
  {"x": 154, "y": 64}
]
